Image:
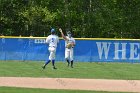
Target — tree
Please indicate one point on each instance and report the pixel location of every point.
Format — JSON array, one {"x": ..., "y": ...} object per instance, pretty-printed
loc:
[{"x": 86, "y": 18}]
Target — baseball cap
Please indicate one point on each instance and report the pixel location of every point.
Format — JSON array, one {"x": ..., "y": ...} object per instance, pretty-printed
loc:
[{"x": 52, "y": 30}]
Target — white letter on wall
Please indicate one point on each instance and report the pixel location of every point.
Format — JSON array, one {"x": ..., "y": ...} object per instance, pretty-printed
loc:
[
  {"x": 123, "y": 50},
  {"x": 103, "y": 46},
  {"x": 134, "y": 51}
]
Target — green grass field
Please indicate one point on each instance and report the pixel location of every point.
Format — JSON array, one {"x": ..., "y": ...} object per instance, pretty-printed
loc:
[
  {"x": 80, "y": 70},
  {"x": 30, "y": 90}
]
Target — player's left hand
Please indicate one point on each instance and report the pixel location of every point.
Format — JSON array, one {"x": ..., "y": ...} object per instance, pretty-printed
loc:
[
  {"x": 73, "y": 44},
  {"x": 69, "y": 45}
]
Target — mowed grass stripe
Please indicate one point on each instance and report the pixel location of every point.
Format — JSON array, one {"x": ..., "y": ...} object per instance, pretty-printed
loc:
[
  {"x": 32, "y": 90},
  {"x": 81, "y": 70}
]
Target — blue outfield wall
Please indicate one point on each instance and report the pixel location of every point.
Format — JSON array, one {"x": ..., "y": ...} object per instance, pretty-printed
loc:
[{"x": 88, "y": 50}]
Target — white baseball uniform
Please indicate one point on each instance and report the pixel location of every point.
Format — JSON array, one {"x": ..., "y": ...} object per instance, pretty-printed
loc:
[
  {"x": 69, "y": 52},
  {"x": 52, "y": 40}
]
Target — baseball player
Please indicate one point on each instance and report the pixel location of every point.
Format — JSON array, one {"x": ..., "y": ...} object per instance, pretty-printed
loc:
[
  {"x": 69, "y": 45},
  {"x": 52, "y": 40}
]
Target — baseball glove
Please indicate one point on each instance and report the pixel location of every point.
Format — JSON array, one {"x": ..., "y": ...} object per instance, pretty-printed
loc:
[{"x": 69, "y": 45}]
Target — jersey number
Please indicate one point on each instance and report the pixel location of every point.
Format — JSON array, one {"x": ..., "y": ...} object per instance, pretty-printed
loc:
[{"x": 53, "y": 40}]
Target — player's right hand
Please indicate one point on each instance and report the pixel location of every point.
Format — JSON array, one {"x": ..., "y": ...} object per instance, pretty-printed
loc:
[{"x": 60, "y": 30}]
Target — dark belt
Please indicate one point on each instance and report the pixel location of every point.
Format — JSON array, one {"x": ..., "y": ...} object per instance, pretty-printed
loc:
[
  {"x": 52, "y": 46},
  {"x": 69, "y": 48}
]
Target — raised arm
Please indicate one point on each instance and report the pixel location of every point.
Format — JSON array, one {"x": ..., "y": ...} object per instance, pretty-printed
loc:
[{"x": 62, "y": 34}]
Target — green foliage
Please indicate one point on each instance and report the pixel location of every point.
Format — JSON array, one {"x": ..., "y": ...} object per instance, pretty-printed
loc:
[{"x": 86, "y": 18}]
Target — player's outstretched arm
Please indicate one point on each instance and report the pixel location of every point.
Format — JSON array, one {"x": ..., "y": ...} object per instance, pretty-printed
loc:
[{"x": 62, "y": 34}]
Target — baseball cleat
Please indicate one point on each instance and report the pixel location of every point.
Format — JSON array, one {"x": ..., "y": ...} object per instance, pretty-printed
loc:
[
  {"x": 71, "y": 66},
  {"x": 43, "y": 67},
  {"x": 54, "y": 68}
]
